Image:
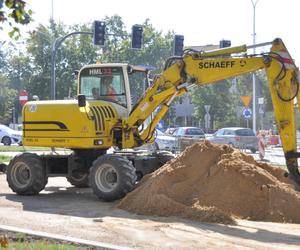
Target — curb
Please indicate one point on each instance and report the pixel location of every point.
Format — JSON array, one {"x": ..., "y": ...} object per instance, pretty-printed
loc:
[{"x": 51, "y": 236}]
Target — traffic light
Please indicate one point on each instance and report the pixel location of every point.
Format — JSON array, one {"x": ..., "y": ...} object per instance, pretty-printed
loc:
[
  {"x": 136, "y": 36},
  {"x": 99, "y": 33},
  {"x": 178, "y": 45},
  {"x": 225, "y": 43}
]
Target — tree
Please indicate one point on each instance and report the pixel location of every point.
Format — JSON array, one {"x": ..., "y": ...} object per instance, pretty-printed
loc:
[
  {"x": 71, "y": 55},
  {"x": 155, "y": 50},
  {"x": 219, "y": 98},
  {"x": 14, "y": 12},
  {"x": 7, "y": 98}
]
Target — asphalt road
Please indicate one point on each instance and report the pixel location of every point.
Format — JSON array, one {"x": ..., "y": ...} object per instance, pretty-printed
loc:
[{"x": 63, "y": 210}]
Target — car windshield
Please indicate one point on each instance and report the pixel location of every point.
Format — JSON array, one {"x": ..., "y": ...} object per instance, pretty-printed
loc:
[
  {"x": 194, "y": 131},
  {"x": 245, "y": 132}
]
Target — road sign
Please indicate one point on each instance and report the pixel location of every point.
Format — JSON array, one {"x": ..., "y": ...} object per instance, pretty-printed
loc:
[
  {"x": 23, "y": 97},
  {"x": 261, "y": 100},
  {"x": 207, "y": 120},
  {"x": 247, "y": 113},
  {"x": 246, "y": 99},
  {"x": 207, "y": 108}
]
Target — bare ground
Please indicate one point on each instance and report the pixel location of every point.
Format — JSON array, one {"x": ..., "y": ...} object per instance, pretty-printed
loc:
[{"x": 69, "y": 211}]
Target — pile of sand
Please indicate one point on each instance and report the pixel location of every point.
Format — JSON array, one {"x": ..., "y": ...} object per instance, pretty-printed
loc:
[{"x": 216, "y": 183}]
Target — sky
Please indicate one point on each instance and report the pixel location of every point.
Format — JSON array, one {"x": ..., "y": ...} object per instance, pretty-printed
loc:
[{"x": 201, "y": 22}]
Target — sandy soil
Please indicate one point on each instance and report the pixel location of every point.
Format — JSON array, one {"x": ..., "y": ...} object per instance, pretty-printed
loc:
[
  {"x": 62, "y": 209},
  {"x": 219, "y": 184}
]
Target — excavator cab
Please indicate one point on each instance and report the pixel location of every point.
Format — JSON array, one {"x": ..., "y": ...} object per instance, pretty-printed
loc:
[{"x": 113, "y": 83}]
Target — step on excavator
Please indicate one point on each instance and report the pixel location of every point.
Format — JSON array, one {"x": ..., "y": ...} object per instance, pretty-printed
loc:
[{"x": 102, "y": 117}]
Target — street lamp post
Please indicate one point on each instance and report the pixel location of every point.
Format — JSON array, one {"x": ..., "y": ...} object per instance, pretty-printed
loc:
[
  {"x": 55, "y": 46},
  {"x": 254, "y": 3}
]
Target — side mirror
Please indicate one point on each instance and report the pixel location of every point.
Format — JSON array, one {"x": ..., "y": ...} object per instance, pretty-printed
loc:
[{"x": 81, "y": 100}]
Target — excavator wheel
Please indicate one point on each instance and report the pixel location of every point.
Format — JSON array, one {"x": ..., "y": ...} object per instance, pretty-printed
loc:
[
  {"x": 26, "y": 174},
  {"x": 79, "y": 179},
  {"x": 112, "y": 177}
]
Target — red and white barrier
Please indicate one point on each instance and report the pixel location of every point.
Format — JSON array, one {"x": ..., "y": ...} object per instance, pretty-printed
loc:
[{"x": 261, "y": 148}]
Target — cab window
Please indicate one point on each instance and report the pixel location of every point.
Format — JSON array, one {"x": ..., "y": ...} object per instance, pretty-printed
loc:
[{"x": 103, "y": 84}]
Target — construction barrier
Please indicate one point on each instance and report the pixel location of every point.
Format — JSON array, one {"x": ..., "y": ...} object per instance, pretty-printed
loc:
[
  {"x": 183, "y": 143},
  {"x": 261, "y": 148},
  {"x": 268, "y": 138}
]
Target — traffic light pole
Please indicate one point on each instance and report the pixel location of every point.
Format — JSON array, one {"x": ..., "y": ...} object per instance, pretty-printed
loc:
[
  {"x": 55, "y": 46},
  {"x": 136, "y": 37}
]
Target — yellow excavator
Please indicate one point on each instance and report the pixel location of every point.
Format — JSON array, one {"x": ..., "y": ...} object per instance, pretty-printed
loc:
[{"x": 102, "y": 117}]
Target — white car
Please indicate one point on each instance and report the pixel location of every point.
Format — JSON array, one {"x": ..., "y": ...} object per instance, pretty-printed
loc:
[
  {"x": 163, "y": 141},
  {"x": 9, "y": 136}
]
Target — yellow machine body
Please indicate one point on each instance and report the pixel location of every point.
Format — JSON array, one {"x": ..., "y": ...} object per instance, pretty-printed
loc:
[{"x": 64, "y": 124}]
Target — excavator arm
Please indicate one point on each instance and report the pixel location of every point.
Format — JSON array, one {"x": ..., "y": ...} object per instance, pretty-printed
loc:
[{"x": 196, "y": 68}]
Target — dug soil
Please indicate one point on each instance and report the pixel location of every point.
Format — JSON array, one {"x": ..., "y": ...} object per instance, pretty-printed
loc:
[{"x": 216, "y": 183}]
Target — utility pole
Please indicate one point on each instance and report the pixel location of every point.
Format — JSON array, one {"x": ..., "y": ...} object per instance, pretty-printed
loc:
[{"x": 254, "y": 3}]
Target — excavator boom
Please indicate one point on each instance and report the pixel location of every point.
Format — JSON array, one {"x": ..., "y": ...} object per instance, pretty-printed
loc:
[{"x": 196, "y": 68}]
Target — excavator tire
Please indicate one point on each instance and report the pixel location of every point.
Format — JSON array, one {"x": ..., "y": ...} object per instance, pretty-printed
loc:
[
  {"x": 112, "y": 177},
  {"x": 79, "y": 179},
  {"x": 26, "y": 174}
]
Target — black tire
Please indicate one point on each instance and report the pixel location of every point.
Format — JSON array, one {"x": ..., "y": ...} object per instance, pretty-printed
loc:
[
  {"x": 6, "y": 141},
  {"x": 253, "y": 150},
  {"x": 26, "y": 174},
  {"x": 79, "y": 179},
  {"x": 112, "y": 177}
]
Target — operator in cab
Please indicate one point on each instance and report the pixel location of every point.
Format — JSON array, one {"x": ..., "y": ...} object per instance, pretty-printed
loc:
[{"x": 108, "y": 90}]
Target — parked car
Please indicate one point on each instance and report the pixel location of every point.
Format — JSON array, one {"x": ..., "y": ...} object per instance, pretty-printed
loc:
[
  {"x": 9, "y": 136},
  {"x": 189, "y": 132},
  {"x": 163, "y": 141},
  {"x": 171, "y": 130},
  {"x": 186, "y": 136},
  {"x": 243, "y": 138}
]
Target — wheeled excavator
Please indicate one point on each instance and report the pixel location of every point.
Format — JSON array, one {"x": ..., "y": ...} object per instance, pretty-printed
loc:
[{"x": 90, "y": 125}]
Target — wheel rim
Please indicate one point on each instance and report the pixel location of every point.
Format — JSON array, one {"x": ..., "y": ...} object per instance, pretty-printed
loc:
[
  {"x": 21, "y": 174},
  {"x": 106, "y": 178}
]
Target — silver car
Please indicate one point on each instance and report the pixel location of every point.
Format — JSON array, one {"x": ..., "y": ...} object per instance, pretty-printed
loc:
[
  {"x": 9, "y": 136},
  {"x": 186, "y": 136},
  {"x": 189, "y": 132},
  {"x": 243, "y": 138},
  {"x": 163, "y": 141}
]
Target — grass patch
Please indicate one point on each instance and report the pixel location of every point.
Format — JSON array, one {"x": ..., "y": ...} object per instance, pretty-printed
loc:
[
  {"x": 5, "y": 158},
  {"x": 21, "y": 241},
  {"x": 26, "y": 148},
  {"x": 40, "y": 245}
]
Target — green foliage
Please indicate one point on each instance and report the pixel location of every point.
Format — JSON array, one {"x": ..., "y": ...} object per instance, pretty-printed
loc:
[
  {"x": 155, "y": 50},
  {"x": 31, "y": 70},
  {"x": 220, "y": 100},
  {"x": 4, "y": 158},
  {"x": 7, "y": 98},
  {"x": 14, "y": 12}
]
